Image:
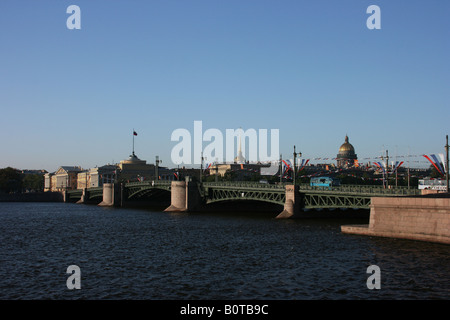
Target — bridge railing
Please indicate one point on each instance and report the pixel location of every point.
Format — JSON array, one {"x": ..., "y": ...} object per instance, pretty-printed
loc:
[
  {"x": 363, "y": 189},
  {"x": 149, "y": 183},
  {"x": 348, "y": 189},
  {"x": 246, "y": 184}
]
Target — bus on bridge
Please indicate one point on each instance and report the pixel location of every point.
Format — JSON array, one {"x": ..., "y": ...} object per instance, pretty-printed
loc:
[{"x": 324, "y": 182}]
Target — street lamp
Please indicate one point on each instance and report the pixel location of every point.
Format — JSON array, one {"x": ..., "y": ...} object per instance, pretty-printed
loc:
[
  {"x": 157, "y": 162},
  {"x": 295, "y": 163},
  {"x": 216, "y": 179},
  {"x": 281, "y": 168},
  {"x": 201, "y": 166},
  {"x": 387, "y": 168},
  {"x": 446, "y": 174}
]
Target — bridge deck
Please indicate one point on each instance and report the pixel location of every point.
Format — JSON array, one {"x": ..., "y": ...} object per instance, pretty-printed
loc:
[{"x": 345, "y": 196}]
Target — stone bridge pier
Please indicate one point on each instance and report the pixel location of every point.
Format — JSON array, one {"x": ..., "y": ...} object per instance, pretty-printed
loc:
[
  {"x": 185, "y": 196},
  {"x": 292, "y": 204},
  {"x": 84, "y": 196},
  {"x": 112, "y": 195}
]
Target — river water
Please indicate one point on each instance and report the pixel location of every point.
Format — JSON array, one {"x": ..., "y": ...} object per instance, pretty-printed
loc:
[{"x": 149, "y": 254}]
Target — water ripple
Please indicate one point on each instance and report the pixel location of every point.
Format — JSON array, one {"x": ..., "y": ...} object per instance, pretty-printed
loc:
[{"x": 139, "y": 254}]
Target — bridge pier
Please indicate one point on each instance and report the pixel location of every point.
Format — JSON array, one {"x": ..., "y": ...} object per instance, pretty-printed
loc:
[
  {"x": 177, "y": 196},
  {"x": 292, "y": 204},
  {"x": 185, "y": 196},
  {"x": 65, "y": 196},
  {"x": 111, "y": 195},
  {"x": 84, "y": 196}
]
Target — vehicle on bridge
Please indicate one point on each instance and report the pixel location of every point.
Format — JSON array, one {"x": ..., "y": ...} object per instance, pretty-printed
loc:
[
  {"x": 324, "y": 182},
  {"x": 433, "y": 184}
]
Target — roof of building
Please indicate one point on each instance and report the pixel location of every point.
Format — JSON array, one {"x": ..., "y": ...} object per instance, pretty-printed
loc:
[
  {"x": 71, "y": 168},
  {"x": 133, "y": 159}
]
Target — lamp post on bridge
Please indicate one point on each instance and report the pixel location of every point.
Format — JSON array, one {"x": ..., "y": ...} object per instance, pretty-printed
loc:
[
  {"x": 295, "y": 164},
  {"x": 201, "y": 166},
  {"x": 157, "y": 162},
  {"x": 281, "y": 168},
  {"x": 216, "y": 179},
  {"x": 387, "y": 169}
]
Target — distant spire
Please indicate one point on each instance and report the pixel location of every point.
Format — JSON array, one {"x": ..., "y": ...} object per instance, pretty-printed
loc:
[
  {"x": 240, "y": 158},
  {"x": 240, "y": 150}
]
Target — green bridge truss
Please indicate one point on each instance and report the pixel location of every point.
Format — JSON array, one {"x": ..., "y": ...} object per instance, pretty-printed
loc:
[
  {"x": 346, "y": 196},
  {"x": 93, "y": 194},
  {"x": 215, "y": 192}
]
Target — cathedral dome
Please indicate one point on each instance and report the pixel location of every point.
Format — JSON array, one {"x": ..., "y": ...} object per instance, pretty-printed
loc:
[
  {"x": 346, "y": 147},
  {"x": 346, "y": 156}
]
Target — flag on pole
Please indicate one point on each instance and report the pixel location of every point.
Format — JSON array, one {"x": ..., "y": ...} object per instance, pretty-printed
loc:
[
  {"x": 303, "y": 164},
  {"x": 287, "y": 166},
  {"x": 396, "y": 165},
  {"x": 134, "y": 133},
  {"x": 435, "y": 162},
  {"x": 441, "y": 156},
  {"x": 380, "y": 165}
]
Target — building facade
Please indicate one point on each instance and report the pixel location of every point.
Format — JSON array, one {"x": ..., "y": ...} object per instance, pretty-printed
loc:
[
  {"x": 133, "y": 168},
  {"x": 65, "y": 178}
]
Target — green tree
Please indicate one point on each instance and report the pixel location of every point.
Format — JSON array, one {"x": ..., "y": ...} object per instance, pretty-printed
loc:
[
  {"x": 10, "y": 180},
  {"x": 33, "y": 182}
]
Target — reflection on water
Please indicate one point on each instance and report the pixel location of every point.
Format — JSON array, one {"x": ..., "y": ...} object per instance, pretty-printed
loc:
[{"x": 145, "y": 254}]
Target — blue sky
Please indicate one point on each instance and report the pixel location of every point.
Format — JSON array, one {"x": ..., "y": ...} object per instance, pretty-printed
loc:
[{"x": 311, "y": 69}]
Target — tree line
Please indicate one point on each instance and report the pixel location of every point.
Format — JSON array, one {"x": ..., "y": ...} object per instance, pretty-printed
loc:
[{"x": 14, "y": 181}]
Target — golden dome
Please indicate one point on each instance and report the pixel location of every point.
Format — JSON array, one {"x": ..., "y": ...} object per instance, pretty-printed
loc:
[{"x": 346, "y": 147}]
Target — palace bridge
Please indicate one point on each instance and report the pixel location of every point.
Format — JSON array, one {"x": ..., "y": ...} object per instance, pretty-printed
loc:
[{"x": 190, "y": 195}]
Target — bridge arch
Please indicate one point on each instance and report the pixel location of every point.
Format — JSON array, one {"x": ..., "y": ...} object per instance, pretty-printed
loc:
[{"x": 146, "y": 192}]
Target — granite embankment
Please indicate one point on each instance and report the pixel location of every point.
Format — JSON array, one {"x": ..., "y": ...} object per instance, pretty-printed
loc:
[{"x": 425, "y": 218}]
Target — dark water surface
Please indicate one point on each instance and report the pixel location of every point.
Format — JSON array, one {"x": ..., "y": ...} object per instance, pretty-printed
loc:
[{"x": 143, "y": 254}]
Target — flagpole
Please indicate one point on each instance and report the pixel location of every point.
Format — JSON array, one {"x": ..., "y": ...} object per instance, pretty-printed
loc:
[
  {"x": 387, "y": 170},
  {"x": 293, "y": 178},
  {"x": 409, "y": 155},
  {"x": 133, "y": 140},
  {"x": 396, "y": 169},
  {"x": 446, "y": 149},
  {"x": 281, "y": 168}
]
